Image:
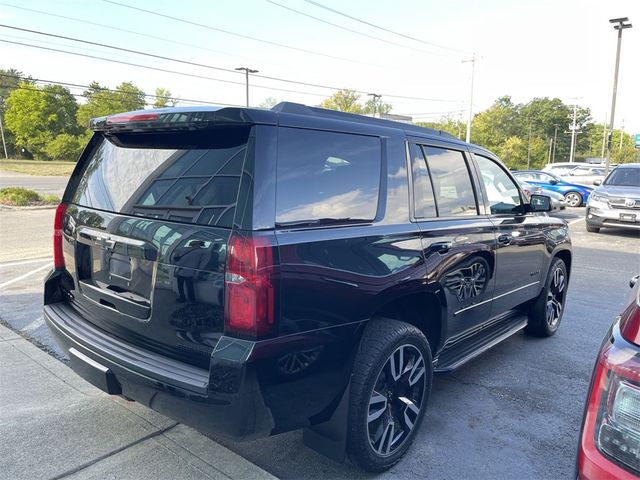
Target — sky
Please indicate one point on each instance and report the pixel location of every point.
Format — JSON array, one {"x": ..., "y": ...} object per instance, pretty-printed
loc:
[{"x": 524, "y": 48}]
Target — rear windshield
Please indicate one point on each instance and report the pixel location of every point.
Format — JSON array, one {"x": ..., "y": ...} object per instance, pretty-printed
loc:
[
  {"x": 326, "y": 176},
  {"x": 185, "y": 177}
]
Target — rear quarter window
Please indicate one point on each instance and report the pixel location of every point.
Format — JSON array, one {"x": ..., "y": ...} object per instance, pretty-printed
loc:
[{"x": 326, "y": 175}]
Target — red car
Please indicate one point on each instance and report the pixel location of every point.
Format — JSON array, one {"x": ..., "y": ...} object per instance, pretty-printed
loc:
[{"x": 610, "y": 437}]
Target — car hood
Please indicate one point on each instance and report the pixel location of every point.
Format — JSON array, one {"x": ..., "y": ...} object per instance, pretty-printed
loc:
[
  {"x": 552, "y": 194},
  {"x": 616, "y": 191}
]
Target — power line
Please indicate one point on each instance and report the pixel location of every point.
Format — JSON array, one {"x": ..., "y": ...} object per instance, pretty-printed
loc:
[
  {"x": 196, "y": 64},
  {"x": 235, "y": 34},
  {"x": 349, "y": 29},
  {"x": 204, "y": 77},
  {"x": 111, "y": 27},
  {"x": 78, "y": 85},
  {"x": 312, "y": 2}
]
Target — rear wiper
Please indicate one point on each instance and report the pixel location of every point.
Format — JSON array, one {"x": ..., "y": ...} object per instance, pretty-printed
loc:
[{"x": 322, "y": 222}]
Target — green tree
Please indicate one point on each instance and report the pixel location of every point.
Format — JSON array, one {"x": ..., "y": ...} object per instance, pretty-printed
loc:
[
  {"x": 269, "y": 103},
  {"x": 344, "y": 100},
  {"x": 455, "y": 127},
  {"x": 495, "y": 125},
  {"x": 102, "y": 101},
  {"x": 164, "y": 98},
  {"x": 9, "y": 81},
  {"x": 36, "y": 115},
  {"x": 65, "y": 147},
  {"x": 626, "y": 154},
  {"x": 513, "y": 153},
  {"x": 377, "y": 108}
]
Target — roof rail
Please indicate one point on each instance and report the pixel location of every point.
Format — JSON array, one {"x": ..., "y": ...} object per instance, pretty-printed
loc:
[{"x": 300, "y": 109}]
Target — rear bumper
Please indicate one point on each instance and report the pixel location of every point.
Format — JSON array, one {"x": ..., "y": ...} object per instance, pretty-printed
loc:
[{"x": 227, "y": 401}]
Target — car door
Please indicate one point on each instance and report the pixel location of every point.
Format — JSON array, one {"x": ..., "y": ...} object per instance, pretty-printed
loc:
[
  {"x": 520, "y": 246},
  {"x": 458, "y": 242}
]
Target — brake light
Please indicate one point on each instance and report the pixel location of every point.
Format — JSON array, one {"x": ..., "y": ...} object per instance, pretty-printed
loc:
[
  {"x": 58, "y": 255},
  {"x": 612, "y": 421},
  {"x": 133, "y": 117},
  {"x": 250, "y": 286}
]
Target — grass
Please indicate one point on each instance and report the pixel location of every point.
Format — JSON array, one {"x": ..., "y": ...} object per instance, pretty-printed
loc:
[
  {"x": 38, "y": 167},
  {"x": 22, "y": 197}
]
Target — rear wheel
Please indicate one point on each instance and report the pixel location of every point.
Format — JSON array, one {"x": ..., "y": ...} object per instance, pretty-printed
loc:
[
  {"x": 390, "y": 386},
  {"x": 573, "y": 199},
  {"x": 546, "y": 312}
]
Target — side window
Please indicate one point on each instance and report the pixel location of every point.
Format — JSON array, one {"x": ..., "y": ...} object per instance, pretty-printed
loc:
[
  {"x": 502, "y": 193},
  {"x": 326, "y": 176},
  {"x": 424, "y": 205},
  {"x": 451, "y": 181}
]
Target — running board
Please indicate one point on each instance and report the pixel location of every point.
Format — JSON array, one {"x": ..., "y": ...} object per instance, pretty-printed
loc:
[{"x": 461, "y": 352}]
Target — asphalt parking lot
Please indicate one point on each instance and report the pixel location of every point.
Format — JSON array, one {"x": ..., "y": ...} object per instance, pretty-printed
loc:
[{"x": 513, "y": 412}]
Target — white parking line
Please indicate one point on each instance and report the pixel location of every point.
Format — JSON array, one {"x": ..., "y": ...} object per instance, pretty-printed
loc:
[
  {"x": 25, "y": 262},
  {"x": 28, "y": 274},
  {"x": 576, "y": 220}
]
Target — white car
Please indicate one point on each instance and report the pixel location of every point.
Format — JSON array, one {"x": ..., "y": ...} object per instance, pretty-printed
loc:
[
  {"x": 562, "y": 168},
  {"x": 585, "y": 175}
]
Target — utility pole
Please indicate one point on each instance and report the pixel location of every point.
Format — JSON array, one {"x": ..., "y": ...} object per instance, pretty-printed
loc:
[
  {"x": 4, "y": 143},
  {"x": 529, "y": 151},
  {"x": 573, "y": 132},
  {"x": 621, "y": 25},
  {"x": 374, "y": 97},
  {"x": 473, "y": 70},
  {"x": 247, "y": 71},
  {"x": 621, "y": 135},
  {"x": 604, "y": 136},
  {"x": 555, "y": 140},
  {"x": 550, "y": 147}
]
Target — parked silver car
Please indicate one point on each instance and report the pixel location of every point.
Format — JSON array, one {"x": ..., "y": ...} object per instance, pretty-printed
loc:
[{"x": 616, "y": 203}]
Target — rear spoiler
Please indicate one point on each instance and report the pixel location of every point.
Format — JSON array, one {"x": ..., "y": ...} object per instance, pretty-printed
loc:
[{"x": 180, "y": 118}]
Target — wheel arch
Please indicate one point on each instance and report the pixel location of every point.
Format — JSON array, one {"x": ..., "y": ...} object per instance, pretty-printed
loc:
[{"x": 425, "y": 311}]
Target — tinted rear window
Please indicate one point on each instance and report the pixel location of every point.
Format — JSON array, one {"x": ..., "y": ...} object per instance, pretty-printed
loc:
[
  {"x": 326, "y": 175},
  {"x": 190, "y": 178}
]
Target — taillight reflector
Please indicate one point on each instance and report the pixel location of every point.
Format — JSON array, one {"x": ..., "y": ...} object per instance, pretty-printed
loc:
[
  {"x": 250, "y": 285},
  {"x": 58, "y": 255}
]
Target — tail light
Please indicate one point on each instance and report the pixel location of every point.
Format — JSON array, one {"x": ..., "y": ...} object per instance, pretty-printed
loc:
[
  {"x": 612, "y": 421},
  {"x": 58, "y": 255},
  {"x": 250, "y": 286}
]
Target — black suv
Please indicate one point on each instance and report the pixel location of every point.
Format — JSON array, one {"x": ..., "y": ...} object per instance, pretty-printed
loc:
[{"x": 249, "y": 272}]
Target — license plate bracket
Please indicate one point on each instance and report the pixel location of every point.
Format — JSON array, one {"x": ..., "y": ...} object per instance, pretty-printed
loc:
[{"x": 628, "y": 217}]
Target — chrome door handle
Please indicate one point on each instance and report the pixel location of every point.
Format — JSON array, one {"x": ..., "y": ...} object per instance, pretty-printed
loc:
[
  {"x": 441, "y": 247},
  {"x": 504, "y": 239}
]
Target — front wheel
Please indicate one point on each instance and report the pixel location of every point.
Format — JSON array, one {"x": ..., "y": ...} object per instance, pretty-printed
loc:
[
  {"x": 390, "y": 386},
  {"x": 547, "y": 310},
  {"x": 573, "y": 199}
]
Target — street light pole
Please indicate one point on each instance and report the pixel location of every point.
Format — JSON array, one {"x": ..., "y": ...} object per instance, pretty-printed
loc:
[
  {"x": 573, "y": 132},
  {"x": 621, "y": 25},
  {"x": 374, "y": 97},
  {"x": 247, "y": 71},
  {"x": 473, "y": 69}
]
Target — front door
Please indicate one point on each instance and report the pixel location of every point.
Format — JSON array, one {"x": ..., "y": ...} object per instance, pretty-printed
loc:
[{"x": 520, "y": 238}]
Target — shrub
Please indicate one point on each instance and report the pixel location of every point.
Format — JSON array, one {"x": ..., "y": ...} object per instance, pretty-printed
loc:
[
  {"x": 21, "y": 197},
  {"x": 65, "y": 147}
]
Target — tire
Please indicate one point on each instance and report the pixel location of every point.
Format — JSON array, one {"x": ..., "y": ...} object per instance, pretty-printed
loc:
[
  {"x": 591, "y": 229},
  {"x": 546, "y": 312},
  {"x": 382, "y": 396},
  {"x": 573, "y": 199}
]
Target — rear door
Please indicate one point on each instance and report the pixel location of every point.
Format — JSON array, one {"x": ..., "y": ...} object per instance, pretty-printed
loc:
[
  {"x": 458, "y": 240},
  {"x": 150, "y": 218}
]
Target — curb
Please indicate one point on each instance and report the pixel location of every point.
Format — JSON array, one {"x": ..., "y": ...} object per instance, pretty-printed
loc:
[{"x": 11, "y": 208}]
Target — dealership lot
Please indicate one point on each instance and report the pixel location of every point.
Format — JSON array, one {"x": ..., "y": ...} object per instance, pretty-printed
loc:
[{"x": 513, "y": 412}]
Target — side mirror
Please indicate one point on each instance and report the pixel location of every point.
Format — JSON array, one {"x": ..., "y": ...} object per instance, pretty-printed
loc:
[
  {"x": 553, "y": 181},
  {"x": 597, "y": 182},
  {"x": 540, "y": 203}
]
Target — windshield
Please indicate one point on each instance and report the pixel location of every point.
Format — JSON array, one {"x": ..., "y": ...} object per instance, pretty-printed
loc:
[{"x": 624, "y": 177}]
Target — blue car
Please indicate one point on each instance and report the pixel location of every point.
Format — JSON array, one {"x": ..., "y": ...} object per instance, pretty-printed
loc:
[{"x": 575, "y": 195}]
